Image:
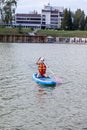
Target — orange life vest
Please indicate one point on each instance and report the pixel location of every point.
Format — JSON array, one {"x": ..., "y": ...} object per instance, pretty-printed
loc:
[{"x": 42, "y": 68}]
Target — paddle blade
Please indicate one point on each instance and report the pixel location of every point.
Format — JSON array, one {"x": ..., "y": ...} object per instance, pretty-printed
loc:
[{"x": 58, "y": 80}]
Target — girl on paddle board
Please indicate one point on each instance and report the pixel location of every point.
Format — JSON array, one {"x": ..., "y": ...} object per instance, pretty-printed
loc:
[{"x": 41, "y": 68}]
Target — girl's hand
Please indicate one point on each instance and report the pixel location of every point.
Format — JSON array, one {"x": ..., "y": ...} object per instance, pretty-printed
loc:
[{"x": 39, "y": 58}]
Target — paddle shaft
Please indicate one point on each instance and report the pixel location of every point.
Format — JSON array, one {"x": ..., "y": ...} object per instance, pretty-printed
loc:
[{"x": 58, "y": 80}]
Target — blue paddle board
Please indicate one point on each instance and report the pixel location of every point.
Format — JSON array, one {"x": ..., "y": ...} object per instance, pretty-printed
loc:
[{"x": 47, "y": 81}]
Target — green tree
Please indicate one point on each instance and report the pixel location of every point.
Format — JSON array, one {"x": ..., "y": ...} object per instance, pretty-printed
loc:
[
  {"x": 20, "y": 29},
  {"x": 85, "y": 23},
  {"x": 82, "y": 21},
  {"x": 1, "y": 9},
  {"x": 67, "y": 20},
  {"x": 8, "y": 11},
  {"x": 79, "y": 20}
]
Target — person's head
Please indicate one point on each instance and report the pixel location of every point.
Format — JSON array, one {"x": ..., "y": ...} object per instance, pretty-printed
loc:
[{"x": 41, "y": 59}]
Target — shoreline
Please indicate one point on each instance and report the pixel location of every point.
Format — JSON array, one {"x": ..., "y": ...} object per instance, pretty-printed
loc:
[{"x": 26, "y": 38}]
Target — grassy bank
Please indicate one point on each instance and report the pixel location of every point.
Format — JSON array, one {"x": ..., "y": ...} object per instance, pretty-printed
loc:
[
  {"x": 60, "y": 33},
  {"x": 54, "y": 33},
  {"x": 14, "y": 30}
]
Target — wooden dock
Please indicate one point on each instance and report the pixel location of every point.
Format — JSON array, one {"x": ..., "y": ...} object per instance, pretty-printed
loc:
[{"x": 22, "y": 38}]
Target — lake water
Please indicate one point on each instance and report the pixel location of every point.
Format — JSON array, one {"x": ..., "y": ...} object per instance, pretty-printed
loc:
[{"x": 24, "y": 105}]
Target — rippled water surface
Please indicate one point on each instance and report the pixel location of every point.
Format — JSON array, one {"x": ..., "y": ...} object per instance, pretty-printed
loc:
[{"x": 24, "y": 105}]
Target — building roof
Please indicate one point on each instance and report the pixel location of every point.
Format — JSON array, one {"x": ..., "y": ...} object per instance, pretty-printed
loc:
[
  {"x": 52, "y": 11},
  {"x": 29, "y": 15}
]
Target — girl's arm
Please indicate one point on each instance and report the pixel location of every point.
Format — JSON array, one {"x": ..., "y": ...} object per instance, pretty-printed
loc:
[{"x": 38, "y": 60}]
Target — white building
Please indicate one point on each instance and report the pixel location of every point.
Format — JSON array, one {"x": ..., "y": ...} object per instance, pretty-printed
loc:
[
  {"x": 52, "y": 16},
  {"x": 28, "y": 20}
]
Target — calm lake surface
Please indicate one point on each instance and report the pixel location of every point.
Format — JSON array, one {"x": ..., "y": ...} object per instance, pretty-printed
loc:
[{"x": 24, "y": 105}]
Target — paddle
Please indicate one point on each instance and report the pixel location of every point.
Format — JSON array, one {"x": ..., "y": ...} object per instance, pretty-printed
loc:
[{"x": 57, "y": 79}]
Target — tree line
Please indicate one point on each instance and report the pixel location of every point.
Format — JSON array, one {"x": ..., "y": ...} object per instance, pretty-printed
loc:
[{"x": 74, "y": 20}]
